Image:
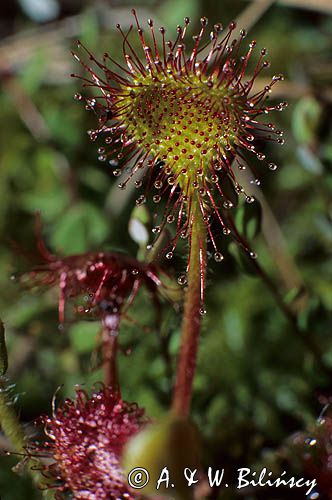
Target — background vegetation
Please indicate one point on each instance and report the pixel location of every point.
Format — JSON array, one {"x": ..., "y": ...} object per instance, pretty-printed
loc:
[{"x": 263, "y": 369}]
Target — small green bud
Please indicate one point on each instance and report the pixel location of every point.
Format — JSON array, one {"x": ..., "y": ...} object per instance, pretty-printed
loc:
[{"x": 172, "y": 444}]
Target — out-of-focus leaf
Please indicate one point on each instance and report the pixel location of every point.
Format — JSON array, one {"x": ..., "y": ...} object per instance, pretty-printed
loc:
[
  {"x": 244, "y": 261},
  {"x": 248, "y": 219},
  {"x": 172, "y": 12},
  {"x": 292, "y": 295},
  {"x": 80, "y": 229},
  {"x": 25, "y": 311},
  {"x": 306, "y": 118},
  {"x": 327, "y": 152},
  {"x": 93, "y": 178},
  {"x": 325, "y": 227},
  {"x": 61, "y": 125},
  {"x": 47, "y": 192},
  {"x": 83, "y": 336},
  {"x": 89, "y": 27},
  {"x": 51, "y": 204},
  {"x": 309, "y": 160},
  {"x": 34, "y": 71},
  {"x": 315, "y": 317}
]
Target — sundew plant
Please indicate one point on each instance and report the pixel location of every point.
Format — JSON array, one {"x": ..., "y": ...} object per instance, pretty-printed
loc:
[{"x": 187, "y": 122}]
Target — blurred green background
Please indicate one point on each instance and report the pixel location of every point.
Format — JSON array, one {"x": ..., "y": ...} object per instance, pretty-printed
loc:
[{"x": 261, "y": 369}]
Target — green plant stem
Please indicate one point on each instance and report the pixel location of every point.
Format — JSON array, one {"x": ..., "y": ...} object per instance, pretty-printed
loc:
[
  {"x": 13, "y": 431},
  {"x": 191, "y": 322}
]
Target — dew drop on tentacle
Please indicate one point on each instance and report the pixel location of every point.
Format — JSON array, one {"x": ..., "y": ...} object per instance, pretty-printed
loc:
[
  {"x": 91, "y": 102},
  {"x": 182, "y": 279},
  {"x": 311, "y": 442},
  {"x": 228, "y": 204},
  {"x": 218, "y": 257},
  {"x": 92, "y": 134},
  {"x": 140, "y": 200}
]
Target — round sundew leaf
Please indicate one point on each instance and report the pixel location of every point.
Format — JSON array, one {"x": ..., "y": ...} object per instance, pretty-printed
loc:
[{"x": 182, "y": 118}]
